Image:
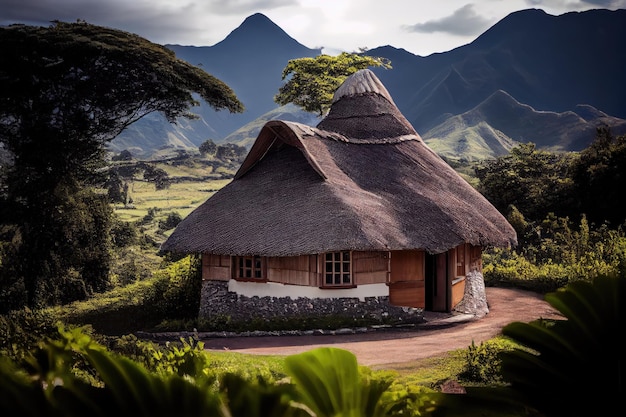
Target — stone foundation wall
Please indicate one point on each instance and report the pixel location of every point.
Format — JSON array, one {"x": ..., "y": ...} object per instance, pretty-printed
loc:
[{"x": 216, "y": 301}]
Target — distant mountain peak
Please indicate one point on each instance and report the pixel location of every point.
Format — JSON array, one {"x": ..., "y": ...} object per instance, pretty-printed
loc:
[
  {"x": 258, "y": 21},
  {"x": 257, "y": 31}
]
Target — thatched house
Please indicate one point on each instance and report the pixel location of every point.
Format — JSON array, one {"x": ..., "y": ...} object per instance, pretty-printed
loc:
[{"x": 357, "y": 208}]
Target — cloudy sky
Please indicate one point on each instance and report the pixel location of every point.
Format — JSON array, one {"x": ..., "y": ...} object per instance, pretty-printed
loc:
[{"x": 419, "y": 26}]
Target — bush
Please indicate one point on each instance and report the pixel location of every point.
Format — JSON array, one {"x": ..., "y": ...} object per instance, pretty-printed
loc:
[
  {"x": 22, "y": 330},
  {"x": 123, "y": 234},
  {"x": 171, "y": 293},
  {"x": 170, "y": 222},
  {"x": 558, "y": 255},
  {"x": 85, "y": 378},
  {"x": 181, "y": 299},
  {"x": 506, "y": 268},
  {"x": 482, "y": 362}
]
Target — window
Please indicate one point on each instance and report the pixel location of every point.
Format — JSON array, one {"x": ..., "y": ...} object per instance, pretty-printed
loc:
[
  {"x": 460, "y": 261},
  {"x": 337, "y": 269},
  {"x": 248, "y": 267}
]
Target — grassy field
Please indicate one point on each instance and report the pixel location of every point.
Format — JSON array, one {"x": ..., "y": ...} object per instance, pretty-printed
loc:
[
  {"x": 190, "y": 185},
  {"x": 181, "y": 197}
]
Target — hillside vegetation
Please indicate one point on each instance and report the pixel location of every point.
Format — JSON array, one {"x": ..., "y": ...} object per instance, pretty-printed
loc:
[{"x": 151, "y": 292}]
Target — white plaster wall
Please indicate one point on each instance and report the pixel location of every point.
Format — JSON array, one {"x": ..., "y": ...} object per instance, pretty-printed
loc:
[{"x": 274, "y": 289}]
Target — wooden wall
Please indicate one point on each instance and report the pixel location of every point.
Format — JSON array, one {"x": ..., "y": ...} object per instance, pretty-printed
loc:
[
  {"x": 465, "y": 258},
  {"x": 458, "y": 291},
  {"x": 404, "y": 271},
  {"x": 370, "y": 267},
  {"x": 295, "y": 270},
  {"x": 215, "y": 267}
]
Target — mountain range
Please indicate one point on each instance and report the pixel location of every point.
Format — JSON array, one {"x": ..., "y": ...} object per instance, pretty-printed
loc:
[{"x": 532, "y": 77}]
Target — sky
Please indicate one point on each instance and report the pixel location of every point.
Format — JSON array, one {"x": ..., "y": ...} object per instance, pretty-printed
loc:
[{"x": 421, "y": 27}]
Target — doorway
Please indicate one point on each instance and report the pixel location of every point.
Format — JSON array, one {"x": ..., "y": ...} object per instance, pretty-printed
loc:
[{"x": 436, "y": 288}]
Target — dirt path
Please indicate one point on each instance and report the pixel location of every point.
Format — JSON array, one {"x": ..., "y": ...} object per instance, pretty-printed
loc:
[{"x": 440, "y": 333}]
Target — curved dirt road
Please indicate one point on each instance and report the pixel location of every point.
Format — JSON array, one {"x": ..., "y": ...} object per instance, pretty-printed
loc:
[{"x": 441, "y": 333}]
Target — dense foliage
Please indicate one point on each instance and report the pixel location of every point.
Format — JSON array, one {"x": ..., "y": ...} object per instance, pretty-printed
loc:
[
  {"x": 535, "y": 182},
  {"x": 599, "y": 175},
  {"x": 562, "y": 235},
  {"x": 565, "y": 367},
  {"x": 312, "y": 82},
  {"x": 539, "y": 183},
  {"x": 72, "y": 374},
  {"x": 67, "y": 90}
]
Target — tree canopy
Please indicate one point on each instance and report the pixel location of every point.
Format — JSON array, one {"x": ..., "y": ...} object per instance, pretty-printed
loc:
[
  {"x": 600, "y": 175},
  {"x": 313, "y": 81},
  {"x": 538, "y": 182},
  {"x": 535, "y": 181},
  {"x": 67, "y": 90}
]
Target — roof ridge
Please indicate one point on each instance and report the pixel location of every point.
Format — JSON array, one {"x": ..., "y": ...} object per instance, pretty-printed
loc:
[{"x": 362, "y": 82}]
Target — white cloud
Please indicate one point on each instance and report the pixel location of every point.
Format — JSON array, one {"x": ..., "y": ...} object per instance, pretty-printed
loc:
[
  {"x": 419, "y": 26},
  {"x": 464, "y": 22}
]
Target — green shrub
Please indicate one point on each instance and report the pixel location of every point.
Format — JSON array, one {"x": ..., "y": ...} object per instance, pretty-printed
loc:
[
  {"x": 181, "y": 298},
  {"x": 73, "y": 375},
  {"x": 330, "y": 383},
  {"x": 170, "y": 222},
  {"x": 172, "y": 293},
  {"x": 123, "y": 310},
  {"x": 50, "y": 386},
  {"x": 482, "y": 362},
  {"x": 186, "y": 358},
  {"x": 507, "y": 268},
  {"x": 123, "y": 233},
  {"x": 22, "y": 330}
]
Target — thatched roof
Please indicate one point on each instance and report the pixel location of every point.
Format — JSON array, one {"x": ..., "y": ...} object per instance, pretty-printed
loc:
[{"x": 363, "y": 179}]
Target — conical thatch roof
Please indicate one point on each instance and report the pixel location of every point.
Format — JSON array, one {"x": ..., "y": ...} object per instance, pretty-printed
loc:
[{"x": 363, "y": 179}]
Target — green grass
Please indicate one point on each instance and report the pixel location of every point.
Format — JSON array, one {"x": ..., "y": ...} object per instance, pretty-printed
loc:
[
  {"x": 419, "y": 376},
  {"x": 179, "y": 197},
  {"x": 428, "y": 372},
  {"x": 182, "y": 196},
  {"x": 248, "y": 366}
]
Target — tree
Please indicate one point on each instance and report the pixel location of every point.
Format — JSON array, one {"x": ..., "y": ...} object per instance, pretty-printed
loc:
[
  {"x": 208, "y": 147},
  {"x": 67, "y": 90},
  {"x": 158, "y": 176},
  {"x": 313, "y": 81},
  {"x": 231, "y": 151},
  {"x": 599, "y": 176},
  {"x": 536, "y": 182}
]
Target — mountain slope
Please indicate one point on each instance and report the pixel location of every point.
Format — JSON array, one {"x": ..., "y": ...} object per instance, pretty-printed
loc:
[
  {"x": 552, "y": 64},
  {"x": 500, "y": 122},
  {"x": 246, "y": 134},
  {"x": 548, "y": 62},
  {"x": 250, "y": 60},
  {"x": 455, "y": 139}
]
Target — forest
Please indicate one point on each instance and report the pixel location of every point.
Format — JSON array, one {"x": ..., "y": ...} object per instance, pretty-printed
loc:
[{"x": 77, "y": 278}]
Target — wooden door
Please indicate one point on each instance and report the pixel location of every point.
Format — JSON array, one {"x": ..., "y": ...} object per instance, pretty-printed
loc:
[{"x": 406, "y": 279}]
